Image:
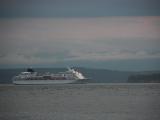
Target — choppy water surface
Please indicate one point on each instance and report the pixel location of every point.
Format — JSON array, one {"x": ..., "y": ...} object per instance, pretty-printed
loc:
[{"x": 80, "y": 102}]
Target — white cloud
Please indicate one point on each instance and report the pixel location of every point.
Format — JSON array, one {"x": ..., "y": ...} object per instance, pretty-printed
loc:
[{"x": 114, "y": 55}]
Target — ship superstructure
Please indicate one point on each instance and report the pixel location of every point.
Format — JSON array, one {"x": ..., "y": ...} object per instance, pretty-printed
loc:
[{"x": 32, "y": 77}]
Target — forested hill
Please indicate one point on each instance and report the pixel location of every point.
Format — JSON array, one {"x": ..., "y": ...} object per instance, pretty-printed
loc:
[
  {"x": 145, "y": 78},
  {"x": 105, "y": 76},
  {"x": 94, "y": 75}
]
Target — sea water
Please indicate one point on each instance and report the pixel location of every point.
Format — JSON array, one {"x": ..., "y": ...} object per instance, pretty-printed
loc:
[{"x": 80, "y": 102}]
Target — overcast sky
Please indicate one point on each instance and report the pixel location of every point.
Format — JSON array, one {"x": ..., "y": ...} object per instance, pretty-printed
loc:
[{"x": 111, "y": 34}]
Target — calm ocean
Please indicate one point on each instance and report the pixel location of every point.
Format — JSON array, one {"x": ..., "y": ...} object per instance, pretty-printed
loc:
[{"x": 80, "y": 102}]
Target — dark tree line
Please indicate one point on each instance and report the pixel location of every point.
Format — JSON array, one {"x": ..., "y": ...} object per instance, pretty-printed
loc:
[{"x": 144, "y": 78}]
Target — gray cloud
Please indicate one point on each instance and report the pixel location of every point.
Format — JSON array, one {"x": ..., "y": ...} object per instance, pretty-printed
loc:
[{"x": 78, "y": 40}]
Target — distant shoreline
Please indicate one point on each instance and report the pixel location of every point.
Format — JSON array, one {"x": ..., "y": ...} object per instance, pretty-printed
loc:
[{"x": 86, "y": 84}]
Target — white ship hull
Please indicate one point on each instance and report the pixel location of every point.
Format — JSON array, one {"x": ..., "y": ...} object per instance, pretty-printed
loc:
[
  {"x": 36, "y": 82},
  {"x": 31, "y": 77}
]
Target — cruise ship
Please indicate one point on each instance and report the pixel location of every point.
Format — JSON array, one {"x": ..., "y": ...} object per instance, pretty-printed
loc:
[{"x": 32, "y": 77}]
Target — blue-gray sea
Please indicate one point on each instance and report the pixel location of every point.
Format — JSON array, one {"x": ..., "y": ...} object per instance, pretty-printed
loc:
[{"x": 91, "y": 101}]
